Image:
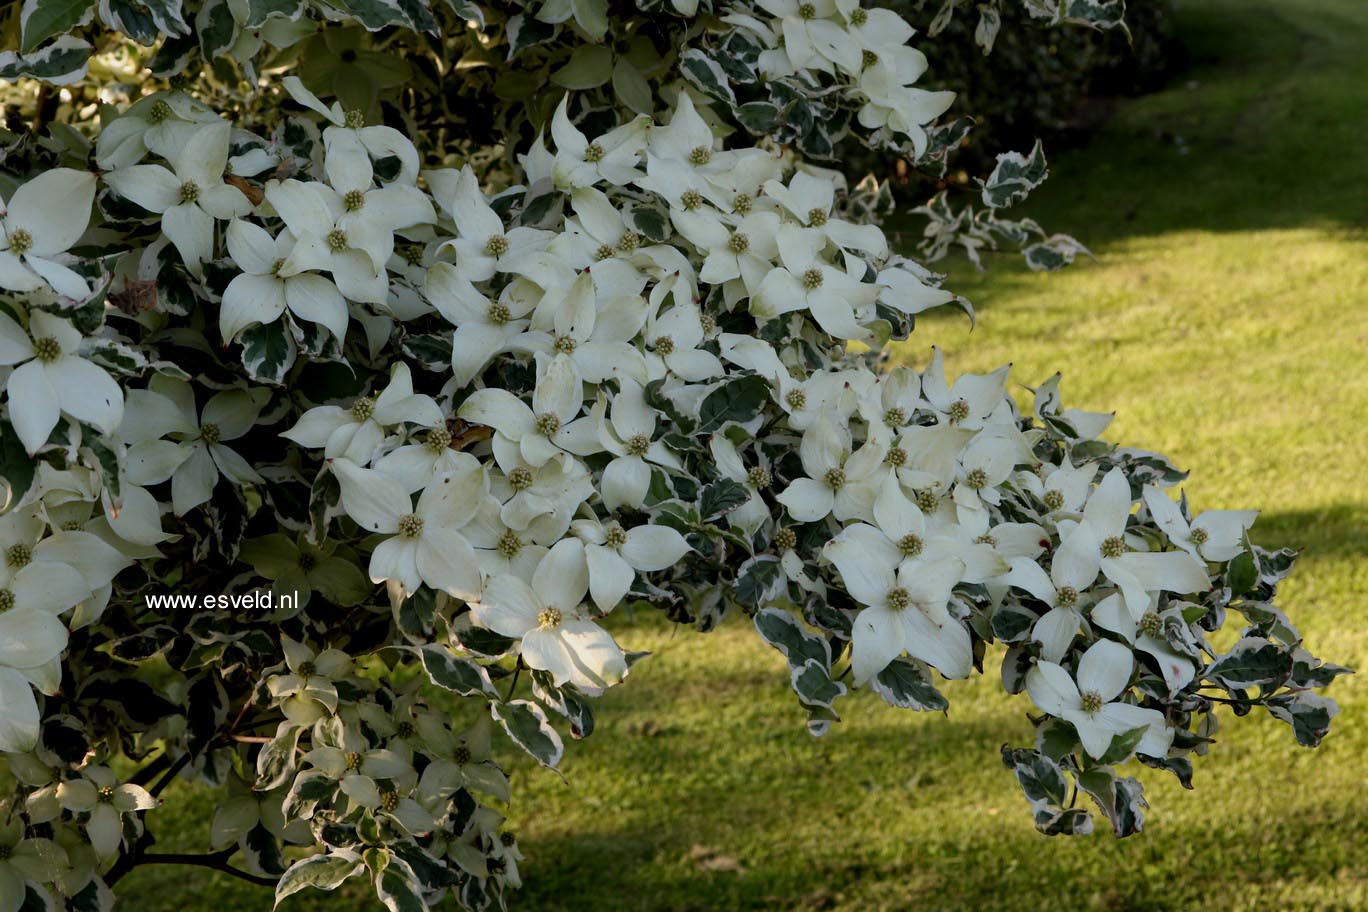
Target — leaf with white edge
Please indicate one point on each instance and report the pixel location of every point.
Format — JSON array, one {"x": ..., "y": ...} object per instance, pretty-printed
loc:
[
  {"x": 1047, "y": 790},
  {"x": 451, "y": 672},
  {"x": 706, "y": 75},
  {"x": 1309, "y": 715},
  {"x": 759, "y": 580},
  {"x": 277, "y": 761},
  {"x": 785, "y": 633},
  {"x": 1251, "y": 662},
  {"x": 398, "y": 888},
  {"x": 268, "y": 351},
  {"x": 40, "y": 20},
  {"x": 1121, "y": 800},
  {"x": 60, "y": 63},
  {"x": 527, "y": 725},
  {"x": 320, "y": 872},
  {"x": 1014, "y": 177},
  {"x": 904, "y": 685}
]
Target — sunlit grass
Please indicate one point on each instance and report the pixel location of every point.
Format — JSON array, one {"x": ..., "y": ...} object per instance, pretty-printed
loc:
[{"x": 1226, "y": 322}]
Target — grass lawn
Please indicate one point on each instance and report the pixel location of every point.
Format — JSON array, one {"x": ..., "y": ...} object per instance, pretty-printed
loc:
[{"x": 1226, "y": 321}]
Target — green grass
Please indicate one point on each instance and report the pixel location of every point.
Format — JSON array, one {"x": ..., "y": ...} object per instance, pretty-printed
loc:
[{"x": 1226, "y": 321}]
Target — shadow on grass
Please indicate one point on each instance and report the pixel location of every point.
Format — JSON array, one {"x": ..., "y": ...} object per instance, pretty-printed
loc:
[{"x": 1339, "y": 531}]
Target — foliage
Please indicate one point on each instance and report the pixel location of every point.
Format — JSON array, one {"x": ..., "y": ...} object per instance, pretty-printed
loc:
[{"x": 621, "y": 378}]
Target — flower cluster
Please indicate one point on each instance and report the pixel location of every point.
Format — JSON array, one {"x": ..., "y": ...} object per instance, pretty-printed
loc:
[{"x": 450, "y": 431}]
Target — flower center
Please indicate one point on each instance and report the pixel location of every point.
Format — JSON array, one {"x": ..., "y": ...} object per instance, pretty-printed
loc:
[
  {"x": 549, "y": 618},
  {"x": 412, "y": 253},
  {"x": 742, "y": 203},
  {"x": 499, "y": 314},
  {"x": 812, "y": 279},
  {"x": 354, "y": 119},
  {"x": 72, "y": 525},
  {"x": 709, "y": 323},
  {"x": 1114, "y": 546},
  {"x": 807, "y": 11},
  {"x": 977, "y": 479},
  {"x": 353, "y": 761},
  {"x": 437, "y": 440},
  {"x": 986, "y": 539},
  {"x": 759, "y": 478},
  {"x": 6, "y": 600},
  {"x": 738, "y": 242},
  {"x": 629, "y": 241},
  {"x": 897, "y": 456},
  {"x": 859, "y": 16},
  {"x": 1092, "y": 702},
  {"x": 106, "y": 795},
  {"x": 638, "y": 445},
  {"x": 307, "y": 670},
  {"x": 307, "y": 562},
  {"x": 389, "y": 801},
  {"x": 210, "y": 434},
  {"x": 927, "y": 501},
  {"x": 337, "y": 240},
  {"x": 509, "y": 544},
  {"x": 691, "y": 200},
  {"x": 868, "y": 58},
  {"x": 565, "y": 345},
  {"x": 277, "y": 266},
  {"x": 899, "y": 598},
  {"x": 593, "y": 153},
  {"x": 5, "y": 852},
  {"x": 405, "y": 729},
  {"x": 1054, "y": 499},
  {"x": 817, "y": 217},
  {"x": 362, "y": 409},
  {"x": 189, "y": 192},
  {"x": 496, "y": 246},
  {"x": 664, "y": 346},
  {"x": 520, "y": 479},
  {"x": 1151, "y": 624},
  {"x": 18, "y": 556},
  {"x": 461, "y": 755},
  {"x": 895, "y": 417},
  {"x": 1197, "y": 536},
  {"x": 959, "y": 410},
  {"x": 548, "y": 424},
  {"x": 1066, "y": 597},
  {"x": 796, "y": 399},
  {"x": 20, "y": 241},
  {"x": 604, "y": 252},
  {"x": 835, "y": 479},
  {"x": 159, "y": 112},
  {"x": 700, "y": 155},
  {"x": 47, "y": 349},
  {"x": 910, "y": 545},
  {"x": 353, "y": 200},
  {"x": 508, "y": 839},
  {"x": 615, "y": 536},
  {"x": 785, "y": 540},
  {"x": 411, "y": 526}
]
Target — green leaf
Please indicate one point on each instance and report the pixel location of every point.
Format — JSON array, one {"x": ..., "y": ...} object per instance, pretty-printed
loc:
[
  {"x": 720, "y": 498},
  {"x": 590, "y": 66},
  {"x": 735, "y": 400},
  {"x": 16, "y": 467},
  {"x": 592, "y": 16},
  {"x": 62, "y": 62},
  {"x": 268, "y": 351},
  {"x": 42, "y": 19},
  {"x": 1309, "y": 715},
  {"x": 527, "y": 725},
  {"x": 1015, "y": 176},
  {"x": 1123, "y": 744},
  {"x": 782, "y": 630},
  {"x": 706, "y": 75},
  {"x": 1251, "y": 662},
  {"x": 398, "y": 887},
  {"x": 1122, "y": 801},
  {"x": 321, "y": 872},
  {"x": 632, "y": 88},
  {"x": 760, "y": 579},
  {"x": 450, "y": 672}
]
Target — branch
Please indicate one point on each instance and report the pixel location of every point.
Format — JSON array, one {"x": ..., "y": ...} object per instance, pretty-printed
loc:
[{"x": 218, "y": 861}]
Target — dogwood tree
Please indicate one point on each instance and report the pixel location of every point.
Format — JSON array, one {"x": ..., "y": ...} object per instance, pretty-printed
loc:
[{"x": 361, "y": 359}]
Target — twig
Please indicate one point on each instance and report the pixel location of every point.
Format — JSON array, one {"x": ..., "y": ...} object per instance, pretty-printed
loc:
[
  {"x": 166, "y": 779},
  {"x": 217, "y": 861},
  {"x": 252, "y": 739},
  {"x": 513, "y": 685}
]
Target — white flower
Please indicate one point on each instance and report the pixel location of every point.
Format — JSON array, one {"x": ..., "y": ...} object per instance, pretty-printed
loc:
[
  {"x": 194, "y": 461},
  {"x": 752, "y": 514},
  {"x": 549, "y": 427},
  {"x": 484, "y": 329},
  {"x": 835, "y": 300},
  {"x": 426, "y": 545},
  {"x": 503, "y": 550},
  {"x": 674, "y": 341},
  {"x": 191, "y": 195},
  {"x": 1103, "y": 673},
  {"x": 356, "y": 433},
  {"x": 45, "y": 217},
  {"x": 595, "y": 320},
  {"x": 540, "y": 500},
  {"x": 99, "y": 794},
  {"x": 813, "y": 40},
  {"x": 629, "y": 436},
  {"x": 973, "y": 401},
  {"x": 614, "y": 554},
  {"x": 125, "y": 140},
  {"x": 612, "y": 157},
  {"x": 745, "y": 250},
  {"x": 349, "y": 136},
  {"x": 1216, "y": 535},
  {"x": 25, "y": 861},
  {"x": 261, "y": 292},
  {"x": 484, "y": 247},
  {"x": 810, "y": 199},
  {"x": 1149, "y": 634},
  {"x": 547, "y": 616},
  {"x": 50, "y": 379},
  {"x": 906, "y": 612},
  {"x": 1064, "y": 589},
  {"x": 839, "y": 482}
]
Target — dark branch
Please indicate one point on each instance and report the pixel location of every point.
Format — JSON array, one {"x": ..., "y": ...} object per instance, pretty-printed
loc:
[{"x": 218, "y": 861}]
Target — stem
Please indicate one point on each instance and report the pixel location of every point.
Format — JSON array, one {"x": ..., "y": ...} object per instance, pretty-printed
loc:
[
  {"x": 166, "y": 779},
  {"x": 217, "y": 861},
  {"x": 513, "y": 685}
]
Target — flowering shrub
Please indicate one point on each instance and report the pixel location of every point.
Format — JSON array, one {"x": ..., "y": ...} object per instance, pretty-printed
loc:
[{"x": 335, "y": 431}]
